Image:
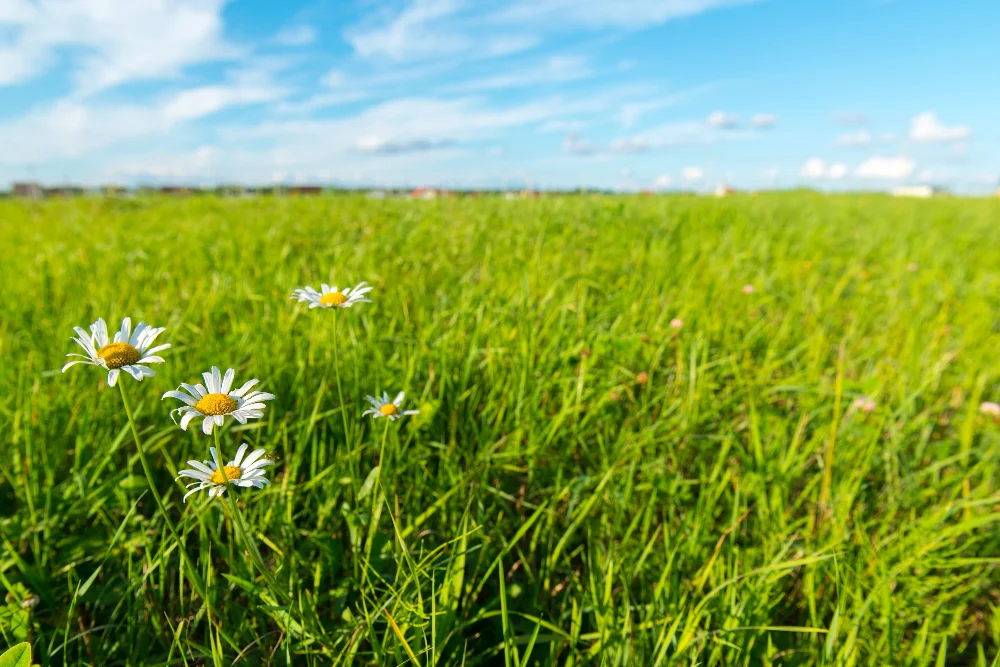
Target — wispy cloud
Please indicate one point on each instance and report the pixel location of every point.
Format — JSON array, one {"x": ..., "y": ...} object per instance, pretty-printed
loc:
[
  {"x": 554, "y": 69},
  {"x": 130, "y": 41},
  {"x": 885, "y": 168},
  {"x": 926, "y": 127},
  {"x": 854, "y": 139},
  {"x": 299, "y": 35},
  {"x": 815, "y": 169}
]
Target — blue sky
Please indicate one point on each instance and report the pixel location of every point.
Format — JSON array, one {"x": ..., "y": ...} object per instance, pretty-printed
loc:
[{"x": 625, "y": 94}]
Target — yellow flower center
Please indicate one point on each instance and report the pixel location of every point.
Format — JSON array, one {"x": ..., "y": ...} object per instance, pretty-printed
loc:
[
  {"x": 116, "y": 355},
  {"x": 231, "y": 472},
  {"x": 389, "y": 409},
  {"x": 215, "y": 404},
  {"x": 333, "y": 299}
]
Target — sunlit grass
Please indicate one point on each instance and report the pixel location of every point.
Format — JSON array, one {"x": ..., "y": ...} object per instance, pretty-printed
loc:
[{"x": 586, "y": 482}]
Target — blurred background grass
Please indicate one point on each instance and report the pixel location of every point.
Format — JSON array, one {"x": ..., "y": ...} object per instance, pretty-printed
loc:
[{"x": 584, "y": 484}]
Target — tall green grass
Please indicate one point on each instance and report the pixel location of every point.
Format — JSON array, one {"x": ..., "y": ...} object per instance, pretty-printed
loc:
[{"x": 585, "y": 485}]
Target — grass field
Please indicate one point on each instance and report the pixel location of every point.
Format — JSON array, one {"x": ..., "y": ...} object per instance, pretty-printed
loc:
[{"x": 585, "y": 484}]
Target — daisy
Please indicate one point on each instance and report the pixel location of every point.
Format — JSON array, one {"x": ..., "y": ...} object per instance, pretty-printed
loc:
[
  {"x": 383, "y": 407},
  {"x": 126, "y": 352},
  {"x": 331, "y": 297},
  {"x": 214, "y": 401},
  {"x": 215, "y": 477},
  {"x": 990, "y": 408}
]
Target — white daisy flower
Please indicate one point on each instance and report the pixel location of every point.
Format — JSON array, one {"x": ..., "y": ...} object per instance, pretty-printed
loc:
[
  {"x": 215, "y": 477},
  {"x": 383, "y": 407},
  {"x": 127, "y": 351},
  {"x": 331, "y": 297},
  {"x": 214, "y": 401}
]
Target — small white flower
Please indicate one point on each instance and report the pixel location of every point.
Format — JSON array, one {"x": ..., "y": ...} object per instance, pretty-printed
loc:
[
  {"x": 676, "y": 323},
  {"x": 215, "y": 477},
  {"x": 990, "y": 408},
  {"x": 748, "y": 289},
  {"x": 383, "y": 407},
  {"x": 865, "y": 404},
  {"x": 331, "y": 297},
  {"x": 214, "y": 401},
  {"x": 126, "y": 352}
]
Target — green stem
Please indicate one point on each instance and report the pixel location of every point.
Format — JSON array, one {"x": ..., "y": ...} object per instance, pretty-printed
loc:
[
  {"x": 192, "y": 572},
  {"x": 336, "y": 370},
  {"x": 248, "y": 542},
  {"x": 381, "y": 451}
]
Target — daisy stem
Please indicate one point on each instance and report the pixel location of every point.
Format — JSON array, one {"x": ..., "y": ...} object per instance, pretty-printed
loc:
[
  {"x": 336, "y": 370},
  {"x": 244, "y": 533},
  {"x": 191, "y": 570}
]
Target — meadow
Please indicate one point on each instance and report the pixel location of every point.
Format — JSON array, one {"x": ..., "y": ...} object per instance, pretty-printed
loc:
[{"x": 798, "y": 475}]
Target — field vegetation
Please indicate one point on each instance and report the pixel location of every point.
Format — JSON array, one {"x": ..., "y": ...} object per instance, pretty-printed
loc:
[{"x": 624, "y": 455}]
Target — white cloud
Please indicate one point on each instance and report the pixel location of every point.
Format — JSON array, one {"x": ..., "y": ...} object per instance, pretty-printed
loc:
[
  {"x": 850, "y": 118},
  {"x": 333, "y": 79},
  {"x": 301, "y": 35},
  {"x": 72, "y": 127},
  {"x": 692, "y": 174},
  {"x": 815, "y": 169},
  {"x": 763, "y": 120},
  {"x": 888, "y": 168},
  {"x": 606, "y": 13},
  {"x": 193, "y": 103},
  {"x": 401, "y": 122},
  {"x": 630, "y": 145},
  {"x": 439, "y": 28},
  {"x": 925, "y": 127},
  {"x": 576, "y": 145},
  {"x": 119, "y": 41},
  {"x": 663, "y": 182},
  {"x": 411, "y": 34},
  {"x": 854, "y": 139},
  {"x": 561, "y": 126},
  {"x": 554, "y": 70},
  {"x": 837, "y": 171},
  {"x": 722, "y": 120}
]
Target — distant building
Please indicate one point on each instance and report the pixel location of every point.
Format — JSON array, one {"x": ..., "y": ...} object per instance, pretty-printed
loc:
[
  {"x": 312, "y": 190},
  {"x": 176, "y": 190},
  {"x": 230, "y": 190},
  {"x": 29, "y": 190},
  {"x": 113, "y": 190},
  {"x": 376, "y": 194},
  {"x": 918, "y": 191},
  {"x": 722, "y": 190},
  {"x": 424, "y": 193},
  {"x": 63, "y": 191}
]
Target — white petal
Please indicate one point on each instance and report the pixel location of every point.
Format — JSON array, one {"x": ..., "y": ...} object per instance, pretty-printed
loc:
[
  {"x": 126, "y": 331},
  {"x": 254, "y": 455},
  {"x": 399, "y": 399},
  {"x": 227, "y": 382},
  {"x": 137, "y": 334},
  {"x": 198, "y": 465},
  {"x": 186, "y": 419},
  {"x": 245, "y": 388},
  {"x": 112, "y": 377},
  {"x": 206, "y": 425},
  {"x": 219, "y": 420},
  {"x": 194, "y": 490},
  {"x": 99, "y": 332},
  {"x": 239, "y": 454}
]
